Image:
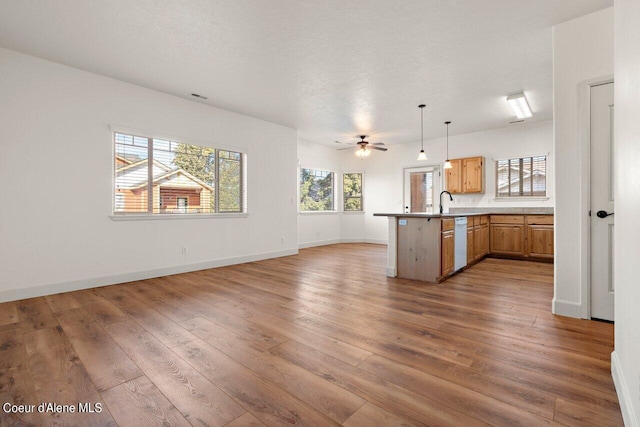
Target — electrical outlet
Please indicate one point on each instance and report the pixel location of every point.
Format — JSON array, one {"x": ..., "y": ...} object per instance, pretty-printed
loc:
[{"x": 185, "y": 250}]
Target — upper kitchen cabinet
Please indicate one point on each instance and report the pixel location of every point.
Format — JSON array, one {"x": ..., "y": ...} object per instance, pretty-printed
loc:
[{"x": 466, "y": 175}]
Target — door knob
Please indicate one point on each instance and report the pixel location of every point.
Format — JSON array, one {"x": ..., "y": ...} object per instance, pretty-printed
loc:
[{"x": 603, "y": 214}]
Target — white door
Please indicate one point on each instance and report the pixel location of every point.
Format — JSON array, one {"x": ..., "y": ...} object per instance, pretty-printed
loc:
[
  {"x": 602, "y": 207},
  {"x": 421, "y": 189}
]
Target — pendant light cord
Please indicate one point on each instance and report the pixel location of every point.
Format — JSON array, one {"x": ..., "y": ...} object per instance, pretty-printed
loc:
[
  {"x": 422, "y": 127},
  {"x": 447, "y": 123}
]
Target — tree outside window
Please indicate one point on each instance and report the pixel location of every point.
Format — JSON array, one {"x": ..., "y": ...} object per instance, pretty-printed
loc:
[
  {"x": 316, "y": 190},
  {"x": 352, "y": 191}
]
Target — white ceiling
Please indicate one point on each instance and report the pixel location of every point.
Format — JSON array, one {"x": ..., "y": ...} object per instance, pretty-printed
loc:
[{"x": 330, "y": 68}]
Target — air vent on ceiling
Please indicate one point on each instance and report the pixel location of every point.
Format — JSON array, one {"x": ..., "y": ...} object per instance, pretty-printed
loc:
[{"x": 516, "y": 121}]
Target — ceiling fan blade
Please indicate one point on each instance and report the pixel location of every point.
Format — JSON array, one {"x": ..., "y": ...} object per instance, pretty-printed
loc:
[
  {"x": 379, "y": 148},
  {"x": 348, "y": 148},
  {"x": 378, "y": 143}
]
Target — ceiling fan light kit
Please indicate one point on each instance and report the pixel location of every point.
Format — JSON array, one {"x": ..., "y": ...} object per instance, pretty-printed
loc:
[
  {"x": 422, "y": 155},
  {"x": 364, "y": 148},
  {"x": 363, "y": 152},
  {"x": 447, "y": 163}
]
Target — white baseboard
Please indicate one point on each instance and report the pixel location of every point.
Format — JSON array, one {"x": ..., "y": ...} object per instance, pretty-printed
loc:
[
  {"x": 566, "y": 308},
  {"x": 391, "y": 272},
  {"x": 624, "y": 396},
  {"x": 76, "y": 285},
  {"x": 376, "y": 241},
  {"x": 318, "y": 243},
  {"x": 336, "y": 241}
]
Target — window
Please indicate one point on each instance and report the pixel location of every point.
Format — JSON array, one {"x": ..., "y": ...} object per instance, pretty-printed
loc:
[
  {"x": 316, "y": 190},
  {"x": 523, "y": 177},
  {"x": 352, "y": 191},
  {"x": 183, "y": 178}
]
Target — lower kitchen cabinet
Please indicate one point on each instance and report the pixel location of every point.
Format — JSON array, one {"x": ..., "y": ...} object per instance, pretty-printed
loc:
[
  {"x": 471, "y": 253},
  {"x": 507, "y": 235},
  {"x": 481, "y": 237},
  {"x": 539, "y": 236},
  {"x": 447, "y": 247},
  {"x": 522, "y": 236}
]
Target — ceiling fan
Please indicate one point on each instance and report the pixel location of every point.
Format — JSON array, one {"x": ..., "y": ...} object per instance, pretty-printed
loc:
[{"x": 364, "y": 147}]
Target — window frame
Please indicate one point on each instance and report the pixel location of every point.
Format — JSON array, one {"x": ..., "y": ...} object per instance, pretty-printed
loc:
[
  {"x": 344, "y": 198},
  {"x": 149, "y": 213},
  {"x": 334, "y": 200},
  {"x": 520, "y": 195}
]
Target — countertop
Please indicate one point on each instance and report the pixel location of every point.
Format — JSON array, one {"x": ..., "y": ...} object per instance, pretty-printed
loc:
[{"x": 474, "y": 212}]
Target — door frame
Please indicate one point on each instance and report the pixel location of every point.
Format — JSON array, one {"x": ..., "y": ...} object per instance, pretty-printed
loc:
[
  {"x": 584, "y": 147},
  {"x": 423, "y": 168}
]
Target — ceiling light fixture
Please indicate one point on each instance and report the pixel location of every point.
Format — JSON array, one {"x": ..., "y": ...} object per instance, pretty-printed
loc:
[
  {"x": 519, "y": 105},
  {"x": 422, "y": 155},
  {"x": 363, "y": 151},
  {"x": 447, "y": 163}
]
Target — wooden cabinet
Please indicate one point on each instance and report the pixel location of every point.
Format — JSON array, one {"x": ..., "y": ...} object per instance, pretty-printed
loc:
[
  {"x": 539, "y": 236},
  {"x": 471, "y": 254},
  {"x": 529, "y": 236},
  {"x": 454, "y": 176},
  {"x": 447, "y": 246},
  {"x": 447, "y": 252},
  {"x": 507, "y": 235},
  {"x": 481, "y": 237},
  {"x": 466, "y": 175},
  {"x": 472, "y": 174}
]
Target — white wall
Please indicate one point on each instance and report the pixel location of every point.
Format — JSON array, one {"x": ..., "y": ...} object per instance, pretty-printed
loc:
[
  {"x": 384, "y": 171},
  {"x": 626, "y": 358},
  {"x": 319, "y": 228},
  {"x": 582, "y": 51},
  {"x": 56, "y": 172}
]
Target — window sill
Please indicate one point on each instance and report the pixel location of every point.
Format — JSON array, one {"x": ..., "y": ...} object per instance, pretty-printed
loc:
[
  {"x": 318, "y": 212},
  {"x": 353, "y": 212},
  {"x": 523, "y": 198},
  {"x": 155, "y": 217}
]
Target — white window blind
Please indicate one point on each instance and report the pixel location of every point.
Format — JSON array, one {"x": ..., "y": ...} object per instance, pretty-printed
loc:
[
  {"x": 183, "y": 178},
  {"x": 522, "y": 177}
]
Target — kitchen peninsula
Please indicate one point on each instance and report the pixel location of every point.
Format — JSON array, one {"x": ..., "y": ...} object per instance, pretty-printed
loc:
[{"x": 431, "y": 247}]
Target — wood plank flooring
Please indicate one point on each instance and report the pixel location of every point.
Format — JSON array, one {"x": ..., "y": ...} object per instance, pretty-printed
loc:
[{"x": 319, "y": 339}]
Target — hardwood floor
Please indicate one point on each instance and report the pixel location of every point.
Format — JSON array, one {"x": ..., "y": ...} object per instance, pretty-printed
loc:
[{"x": 318, "y": 339}]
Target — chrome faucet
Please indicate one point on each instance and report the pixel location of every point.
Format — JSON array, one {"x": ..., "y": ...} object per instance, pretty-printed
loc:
[{"x": 450, "y": 198}]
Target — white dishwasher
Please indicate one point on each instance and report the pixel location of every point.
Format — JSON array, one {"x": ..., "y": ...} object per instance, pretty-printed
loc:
[{"x": 460, "y": 236}]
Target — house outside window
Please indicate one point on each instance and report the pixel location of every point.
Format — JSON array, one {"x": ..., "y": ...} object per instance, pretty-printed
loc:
[
  {"x": 119, "y": 202},
  {"x": 521, "y": 177},
  {"x": 183, "y": 203},
  {"x": 317, "y": 190},
  {"x": 158, "y": 176},
  {"x": 352, "y": 192}
]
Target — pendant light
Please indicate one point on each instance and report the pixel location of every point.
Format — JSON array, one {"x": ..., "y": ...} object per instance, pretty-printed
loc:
[
  {"x": 447, "y": 163},
  {"x": 422, "y": 155}
]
